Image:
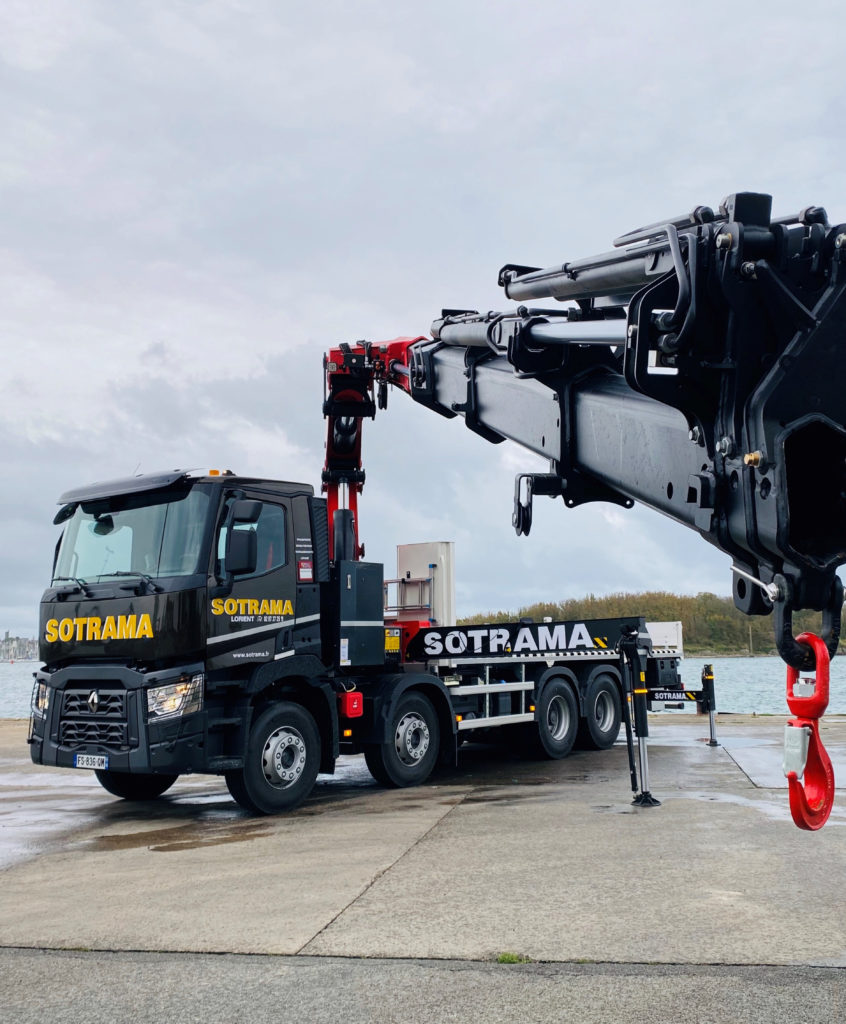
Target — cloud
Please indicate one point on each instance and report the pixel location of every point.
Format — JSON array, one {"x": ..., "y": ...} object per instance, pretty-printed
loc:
[{"x": 201, "y": 198}]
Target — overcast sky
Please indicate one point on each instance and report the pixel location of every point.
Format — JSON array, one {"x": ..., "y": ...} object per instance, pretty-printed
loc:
[{"x": 200, "y": 197}]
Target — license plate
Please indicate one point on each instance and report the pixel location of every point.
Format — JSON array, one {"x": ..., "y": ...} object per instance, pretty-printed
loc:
[{"x": 97, "y": 761}]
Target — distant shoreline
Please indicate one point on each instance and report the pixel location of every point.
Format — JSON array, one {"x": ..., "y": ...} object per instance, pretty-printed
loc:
[{"x": 726, "y": 654}]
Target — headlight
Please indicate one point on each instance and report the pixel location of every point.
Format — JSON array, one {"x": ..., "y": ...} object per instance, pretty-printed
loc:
[
  {"x": 40, "y": 699},
  {"x": 180, "y": 698}
]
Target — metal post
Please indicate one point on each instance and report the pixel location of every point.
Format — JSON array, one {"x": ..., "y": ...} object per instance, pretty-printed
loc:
[
  {"x": 710, "y": 702},
  {"x": 626, "y": 674},
  {"x": 644, "y": 798},
  {"x": 644, "y": 774},
  {"x": 635, "y": 678}
]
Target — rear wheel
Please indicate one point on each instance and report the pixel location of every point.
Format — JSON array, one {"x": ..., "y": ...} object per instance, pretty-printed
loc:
[
  {"x": 130, "y": 786},
  {"x": 283, "y": 758},
  {"x": 603, "y": 713},
  {"x": 558, "y": 720},
  {"x": 410, "y": 753}
]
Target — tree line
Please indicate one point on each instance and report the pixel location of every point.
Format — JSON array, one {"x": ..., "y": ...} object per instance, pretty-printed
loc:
[{"x": 710, "y": 623}]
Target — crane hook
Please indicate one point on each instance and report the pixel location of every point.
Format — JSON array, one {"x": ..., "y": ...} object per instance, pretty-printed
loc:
[{"x": 804, "y": 753}]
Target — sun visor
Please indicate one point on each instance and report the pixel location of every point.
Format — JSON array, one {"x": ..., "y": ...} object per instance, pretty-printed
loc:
[{"x": 125, "y": 485}]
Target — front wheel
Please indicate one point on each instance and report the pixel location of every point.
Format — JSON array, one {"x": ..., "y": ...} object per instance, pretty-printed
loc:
[
  {"x": 410, "y": 753},
  {"x": 132, "y": 786},
  {"x": 283, "y": 758}
]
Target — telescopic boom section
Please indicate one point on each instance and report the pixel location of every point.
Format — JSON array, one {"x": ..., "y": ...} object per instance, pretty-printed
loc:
[
  {"x": 356, "y": 379},
  {"x": 697, "y": 368}
]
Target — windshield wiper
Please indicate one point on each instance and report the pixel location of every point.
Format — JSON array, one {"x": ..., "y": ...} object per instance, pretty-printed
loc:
[
  {"x": 80, "y": 584},
  {"x": 151, "y": 583}
]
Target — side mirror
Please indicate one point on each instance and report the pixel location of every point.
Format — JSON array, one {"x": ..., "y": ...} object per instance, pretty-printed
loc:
[
  {"x": 241, "y": 552},
  {"x": 245, "y": 511}
]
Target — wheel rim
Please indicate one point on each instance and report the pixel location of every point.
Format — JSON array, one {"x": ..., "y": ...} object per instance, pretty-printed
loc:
[
  {"x": 283, "y": 758},
  {"x": 603, "y": 711},
  {"x": 411, "y": 738},
  {"x": 558, "y": 717}
]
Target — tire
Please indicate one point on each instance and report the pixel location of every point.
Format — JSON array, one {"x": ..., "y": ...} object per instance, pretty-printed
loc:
[
  {"x": 409, "y": 755},
  {"x": 373, "y": 760},
  {"x": 600, "y": 727},
  {"x": 558, "y": 721},
  {"x": 130, "y": 786},
  {"x": 281, "y": 763}
]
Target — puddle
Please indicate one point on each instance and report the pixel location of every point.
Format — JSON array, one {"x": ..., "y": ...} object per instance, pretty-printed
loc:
[{"x": 180, "y": 837}]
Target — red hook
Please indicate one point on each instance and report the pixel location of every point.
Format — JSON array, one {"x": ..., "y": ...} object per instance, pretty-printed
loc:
[{"x": 811, "y": 803}]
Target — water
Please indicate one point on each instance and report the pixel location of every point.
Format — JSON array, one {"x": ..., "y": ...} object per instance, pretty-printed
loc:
[
  {"x": 743, "y": 685},
  {"x": 758, "y": 685},
  {"x": 16, "y": 688}
]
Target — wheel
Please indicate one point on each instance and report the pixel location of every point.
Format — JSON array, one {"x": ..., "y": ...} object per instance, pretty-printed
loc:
[
  {"x": 373, "y": 760},
  {"x": 410, "y": 753},
  {"x": 603, "y": 714},
  {"x": 282, "y": 761},
  {"x": 130, "y": 786},
  {"x": 558, "y": 720}
]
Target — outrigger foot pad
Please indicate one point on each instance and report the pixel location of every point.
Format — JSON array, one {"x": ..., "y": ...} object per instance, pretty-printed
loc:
[{"x": 646, "y": 800}]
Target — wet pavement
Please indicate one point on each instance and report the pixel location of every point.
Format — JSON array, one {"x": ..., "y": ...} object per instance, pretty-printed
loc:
[{"x": 545, "y": 860}]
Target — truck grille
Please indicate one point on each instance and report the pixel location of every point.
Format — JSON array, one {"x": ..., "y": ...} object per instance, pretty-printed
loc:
[
  {"x": 109, "y": 734},
  {"x": 99, "y": 719},
  {"x": 110, "y": 704}
]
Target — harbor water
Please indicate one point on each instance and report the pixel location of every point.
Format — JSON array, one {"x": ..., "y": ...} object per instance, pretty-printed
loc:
[{"x": 743, "y": 685}]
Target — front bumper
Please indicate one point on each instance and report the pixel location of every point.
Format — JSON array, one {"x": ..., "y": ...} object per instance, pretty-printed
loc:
[{"x": 115, "y": 724}]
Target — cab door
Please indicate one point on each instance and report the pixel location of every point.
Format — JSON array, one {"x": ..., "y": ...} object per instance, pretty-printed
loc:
[{"x": 254, "y": 621}]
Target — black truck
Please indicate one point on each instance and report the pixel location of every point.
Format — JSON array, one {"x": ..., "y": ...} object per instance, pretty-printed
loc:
[
  {"x": 197, "y": 623},
  {"x": 231, "y": 625}
]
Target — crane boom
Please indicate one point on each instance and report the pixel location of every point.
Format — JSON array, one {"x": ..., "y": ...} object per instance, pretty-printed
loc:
[{"x": 697, "y": 368}]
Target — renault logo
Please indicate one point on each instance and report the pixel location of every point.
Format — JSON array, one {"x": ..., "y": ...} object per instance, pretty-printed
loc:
[{"x": 93, "y": 702}]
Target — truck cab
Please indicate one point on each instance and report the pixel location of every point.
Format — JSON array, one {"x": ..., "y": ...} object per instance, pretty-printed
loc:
[{"x": 176, "y": 600}]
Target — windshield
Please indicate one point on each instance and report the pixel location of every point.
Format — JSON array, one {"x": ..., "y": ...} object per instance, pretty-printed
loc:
[{"x": 135, "y": 535}]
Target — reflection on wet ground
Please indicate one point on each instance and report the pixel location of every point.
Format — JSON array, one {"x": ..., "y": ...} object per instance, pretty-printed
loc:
[
  {"x": 180, "y": 837},
  {"x": 48, "y": 809},
  {"x": 45, "y": 809}
]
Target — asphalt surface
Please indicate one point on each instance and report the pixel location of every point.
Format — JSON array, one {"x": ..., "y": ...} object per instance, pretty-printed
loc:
[{"x": 384, "y": 905}]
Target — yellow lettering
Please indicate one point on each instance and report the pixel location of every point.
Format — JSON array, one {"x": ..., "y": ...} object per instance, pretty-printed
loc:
[
  {"x": 145, "y": 627},
  {"x": 80, "y": 628},
  {"x": 93, "y": 631},
  {"x": 66, "y": 630},
  {"x": 51, "y": 631},
  {"x": 250, "y": 606},
  {"x": 126, "y": 627},
  {"x": 109, "y": 629}
]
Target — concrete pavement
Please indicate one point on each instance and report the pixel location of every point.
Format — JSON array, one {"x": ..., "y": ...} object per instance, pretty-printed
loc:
[
  {"x": 548, "y": 860},
  {"x": 107, "y": 988}
]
